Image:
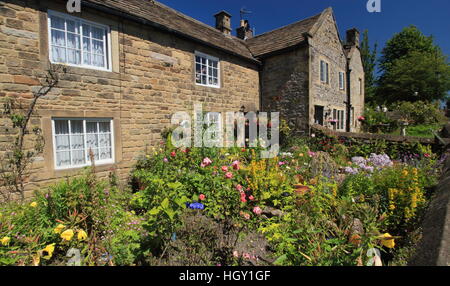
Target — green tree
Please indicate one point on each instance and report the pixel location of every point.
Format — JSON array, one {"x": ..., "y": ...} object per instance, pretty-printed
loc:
[
  {"x": 369, "y": 59},
  {"x": 413, "y": 68}
]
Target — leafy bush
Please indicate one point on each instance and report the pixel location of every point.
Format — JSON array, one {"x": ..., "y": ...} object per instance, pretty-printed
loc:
[
  {"x": 378, "y": 122},
  {"x": 420, "y": 112}
]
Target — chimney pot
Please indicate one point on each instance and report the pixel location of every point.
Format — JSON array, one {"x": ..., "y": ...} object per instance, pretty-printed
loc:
[
  {"x": 244, "y": 31},
  {"x": 223, "y": 22},
  {"x": 353, "y": 37}
]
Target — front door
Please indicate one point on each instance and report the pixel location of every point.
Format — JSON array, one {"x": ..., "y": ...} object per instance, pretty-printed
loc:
[{"x": 318, "y": 114}]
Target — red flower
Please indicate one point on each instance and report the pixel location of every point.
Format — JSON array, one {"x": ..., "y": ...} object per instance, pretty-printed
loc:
[
  {"x": 229, "y": 175},
  {"x": 202, "y": 197},
  {"x": 225, "y": 168},
  {"x": 173, "y": 154},
  {"x": 252, "y": 198}
]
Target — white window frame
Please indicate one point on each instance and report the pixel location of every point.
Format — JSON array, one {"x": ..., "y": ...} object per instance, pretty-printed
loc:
[
  {"x": 325, "y": 71},
  {"x": 341, "y": 80},
  {"x": 106, "y": 41},
  {"x": 88, "y": 162},
  {"x": 339, "y": 115},
  {"x": 208, "y": 58}
]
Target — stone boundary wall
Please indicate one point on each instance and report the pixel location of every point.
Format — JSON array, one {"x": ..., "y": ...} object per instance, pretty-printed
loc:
[
  {"x": 434, "y": 248},
  {"x": 374, "y": 137}
]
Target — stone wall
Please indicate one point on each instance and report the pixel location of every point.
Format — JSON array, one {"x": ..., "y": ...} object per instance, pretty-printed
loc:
[
  {"x": 357, "y": 97},
  {"x": 434, "y": 248},
  {"x": 152, "y": 77},
  {"x": 285, "y": 85},
  {"x": 326, "y": 46}
]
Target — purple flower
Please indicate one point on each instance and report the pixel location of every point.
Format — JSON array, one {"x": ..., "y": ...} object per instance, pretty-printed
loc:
[{"x": 352, "y": 171}]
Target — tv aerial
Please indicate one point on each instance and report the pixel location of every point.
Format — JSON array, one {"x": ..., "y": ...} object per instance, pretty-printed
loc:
[{"x": 244, "y": 12}]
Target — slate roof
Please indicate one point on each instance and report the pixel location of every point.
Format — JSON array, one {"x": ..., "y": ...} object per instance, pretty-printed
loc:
[
  {"x": 164, "y": 17},
  {"x": 174, "y": 21},
  {"x": 281, "y": 38}
]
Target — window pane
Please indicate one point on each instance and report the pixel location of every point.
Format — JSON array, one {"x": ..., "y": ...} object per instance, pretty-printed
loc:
[
  {"x": 77, "y": 137},
  {"x": 62, "y": 142},
  {"x": 73, "y": 41},
  {"x": 63, "y": 159},
  {"x": 78, "y": 158},
  {"x": 58, "y": 38},
  {"x": 105, "y": 154},
  {"x": 73, "y": 56},
  {"x": 86, "y": 30},
  {"x": 86, "y": 44},
  {"x": 73, "y": 26},
  {"x": 97, "y": 33},
  {"x": 105, "y": 127},
  {"x": 61, "y": 127},
  {"x": 57, "y": 22},
  {"x": 97, "y": 47},
  {"x": 98, "y": 61},
  {"x": 86, "y": 58}
]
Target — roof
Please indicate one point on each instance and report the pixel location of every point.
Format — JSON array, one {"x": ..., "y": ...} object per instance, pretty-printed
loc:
[
  {"x": 282, "y": 38},
  {"x": 174, "y": 21},
  {"x": 158, "y": 15}
]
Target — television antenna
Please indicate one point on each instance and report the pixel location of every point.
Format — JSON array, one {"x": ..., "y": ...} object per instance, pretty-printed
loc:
[{"x": 243, "y": 12}]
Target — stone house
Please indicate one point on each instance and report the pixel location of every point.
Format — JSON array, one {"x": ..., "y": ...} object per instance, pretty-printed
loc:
[{"x": 132, "y": 64}]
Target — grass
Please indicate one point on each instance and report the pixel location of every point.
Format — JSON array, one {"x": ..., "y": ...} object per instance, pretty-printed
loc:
[{"x": 424, "y": 131}]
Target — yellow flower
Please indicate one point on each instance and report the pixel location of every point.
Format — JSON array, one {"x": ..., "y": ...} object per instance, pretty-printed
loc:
[
  {"x": 6, "y": 240},
  {"x": 47, "y": 252},
  {"x": 405, "y": 173},
  {"x": 387, "y": 240},
  {"x": 59, "y": 228},
  {"x": 67, "y": 235},
  {"x": 82, "y": 235},
  {"x": 33, "y": 204}
]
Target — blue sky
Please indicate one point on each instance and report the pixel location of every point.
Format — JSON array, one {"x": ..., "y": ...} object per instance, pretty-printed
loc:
[{"x": 431, "y": 16}]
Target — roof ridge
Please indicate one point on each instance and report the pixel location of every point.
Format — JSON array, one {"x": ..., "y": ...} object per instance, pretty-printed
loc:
[
  {"x": 288, "y": 25},
  {"x": 192, "y": 19}
]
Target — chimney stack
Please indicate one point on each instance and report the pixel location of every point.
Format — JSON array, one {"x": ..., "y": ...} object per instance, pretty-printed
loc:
[
  {"x": 223, "y": 22},
  {"x": 244, "y": 32},
  {"x": 353, "y": 37}
]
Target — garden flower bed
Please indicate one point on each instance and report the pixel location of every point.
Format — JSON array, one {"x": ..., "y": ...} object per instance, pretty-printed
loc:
[{"x": 210, "y": 206}]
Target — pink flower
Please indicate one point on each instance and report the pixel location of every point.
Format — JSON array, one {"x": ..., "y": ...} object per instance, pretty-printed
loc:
[
  {"x": 243, "y": 197},
  {"x": 427, "y": 155},
  {"x": 225, "y": 168},
  {"x": 281, "y": 163},
  {"x": 240, "y": 188},
  {"x": 206, "y": 162},
  {"x": 235, "y": 254},
  {"x": 246, "y": 256},
  {"x": 235, "y": 165},
  {"x": 361, "y": 118},
  {"x": 202, "y": 197},
  {"x": 257, "y": 210},
  {"x": 229, "y": 175},
  {"x": 252, "y": 198},
  {"x": 311, "y": 154},
  {"x": 173, "y": 154},
  {"x": 166, "y": 160},
  {"x": 245, "y": 215}
]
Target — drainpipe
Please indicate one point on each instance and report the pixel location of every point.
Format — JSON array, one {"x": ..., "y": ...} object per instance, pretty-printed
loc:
[{"x": 349, "y": 103}]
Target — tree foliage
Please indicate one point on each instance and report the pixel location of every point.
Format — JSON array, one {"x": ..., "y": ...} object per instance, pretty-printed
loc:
[
  {"x": 369, "y": 59},
  {"x": 413, "y": 68}
]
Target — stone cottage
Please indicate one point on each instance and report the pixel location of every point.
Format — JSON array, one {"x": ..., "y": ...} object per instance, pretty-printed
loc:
[{"x": 132, "y": 64}]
